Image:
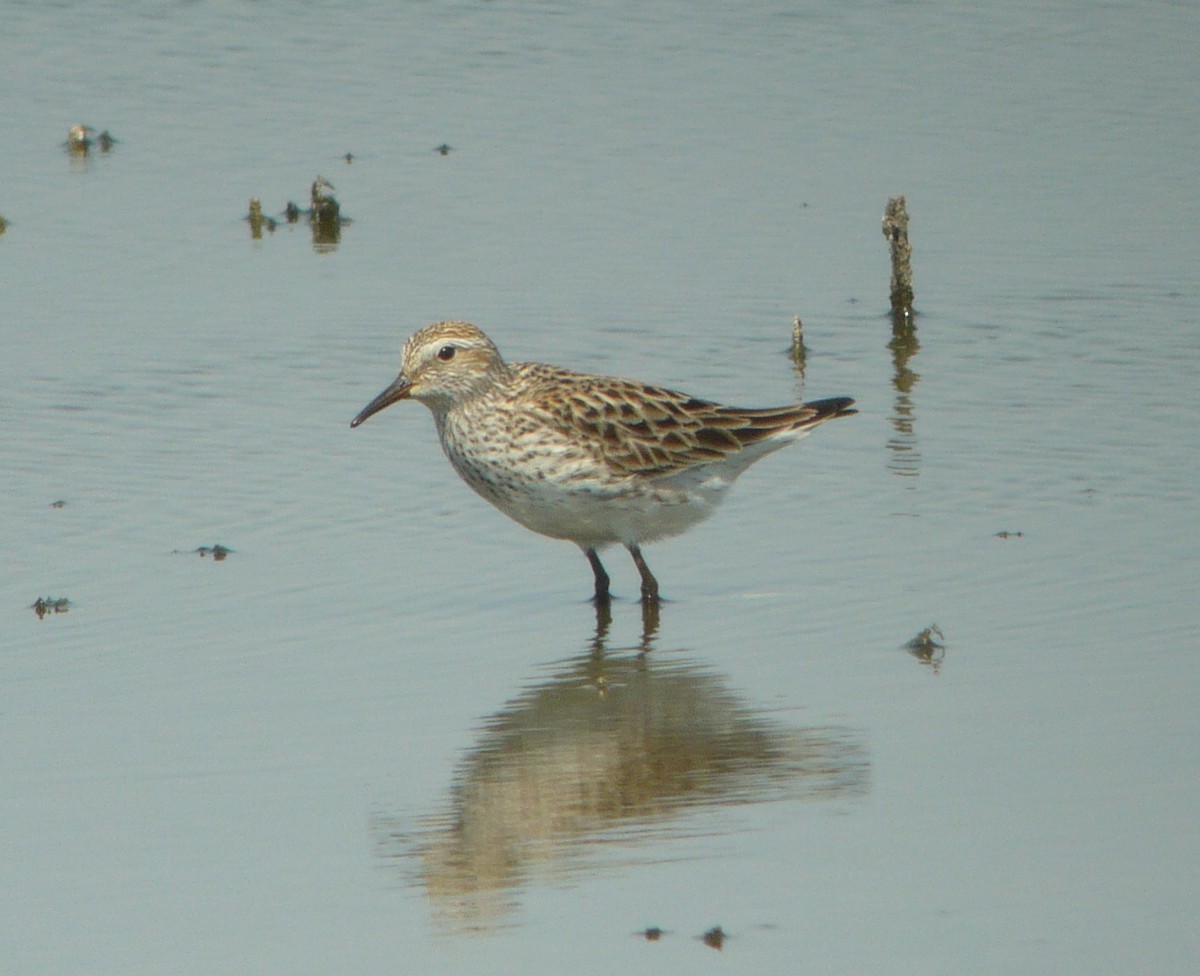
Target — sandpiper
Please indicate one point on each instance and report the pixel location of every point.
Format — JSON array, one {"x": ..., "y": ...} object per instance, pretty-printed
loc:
[{"x": 591, "y": 459}]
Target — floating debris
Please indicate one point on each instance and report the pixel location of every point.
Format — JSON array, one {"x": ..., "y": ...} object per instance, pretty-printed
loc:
[
  {"x": 218, "y": 552},
  {"x": 45, "y": 605},
  {"x": 714, "y": 938},
  {"x": 926, "y": 649},
  {"x": 1010, "y": 535},
  {"x": 325, "y": 217},
  {"x": 324, "y": 206},
  {"x": 257, "y": 220},
  {"x": 78, "y": 139}
]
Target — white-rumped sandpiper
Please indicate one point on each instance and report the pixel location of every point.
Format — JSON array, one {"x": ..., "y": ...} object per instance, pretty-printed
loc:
[{"x": 591, "y": 459}]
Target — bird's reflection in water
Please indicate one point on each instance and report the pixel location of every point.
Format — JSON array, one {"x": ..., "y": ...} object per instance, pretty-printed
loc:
[{"x": 609, "y": 752}]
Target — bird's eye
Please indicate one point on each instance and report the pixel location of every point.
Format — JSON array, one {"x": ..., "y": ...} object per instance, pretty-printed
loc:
[{"x": 445, "y": 354}]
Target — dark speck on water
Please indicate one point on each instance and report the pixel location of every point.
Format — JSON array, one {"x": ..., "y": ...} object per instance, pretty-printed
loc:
[
  {"x": 218, "y": 552},
  {"x": 715, "y": 937},
  {"x": 927, "y": 646}
]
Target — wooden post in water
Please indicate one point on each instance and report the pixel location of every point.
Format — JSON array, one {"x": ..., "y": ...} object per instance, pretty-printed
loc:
[
  {"x": 798, "y": 348},
  {"x": 895, "y": 229}
]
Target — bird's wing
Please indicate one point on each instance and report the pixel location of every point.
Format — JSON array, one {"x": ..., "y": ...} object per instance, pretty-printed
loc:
[{"x": 651, "y": 431}]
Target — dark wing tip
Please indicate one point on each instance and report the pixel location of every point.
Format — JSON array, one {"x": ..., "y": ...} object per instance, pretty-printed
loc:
[{"x": 830, "y": 408}]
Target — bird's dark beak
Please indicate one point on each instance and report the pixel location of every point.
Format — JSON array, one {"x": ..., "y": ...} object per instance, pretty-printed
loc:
[{"x": 397, "y": 391}]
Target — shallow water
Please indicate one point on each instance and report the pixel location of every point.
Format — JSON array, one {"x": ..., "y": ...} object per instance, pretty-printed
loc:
[{"x": 388, "y": 729}]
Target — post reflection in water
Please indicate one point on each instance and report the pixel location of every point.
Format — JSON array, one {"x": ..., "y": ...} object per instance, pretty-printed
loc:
[
  {"x": 906, "y": 459},
  {"x": 611, "y": 751}
]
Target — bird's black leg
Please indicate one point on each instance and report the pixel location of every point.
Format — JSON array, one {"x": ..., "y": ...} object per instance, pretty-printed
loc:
[
  {"x": 649, "y": 583},
  {"x": 602, "y": 596}
]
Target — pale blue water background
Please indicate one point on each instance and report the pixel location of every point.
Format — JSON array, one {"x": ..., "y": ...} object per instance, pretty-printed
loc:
[{"x": 254, "y": 766}]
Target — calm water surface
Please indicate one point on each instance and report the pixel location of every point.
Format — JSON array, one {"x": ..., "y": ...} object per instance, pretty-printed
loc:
[{"x": 388, "y": 731}]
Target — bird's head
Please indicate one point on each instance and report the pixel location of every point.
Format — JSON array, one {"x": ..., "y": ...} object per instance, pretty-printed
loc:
[{"x": 442, "y": 365}]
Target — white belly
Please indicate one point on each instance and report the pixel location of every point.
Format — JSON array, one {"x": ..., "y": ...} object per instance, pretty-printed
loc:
[{"x": 564, "y": 496}]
